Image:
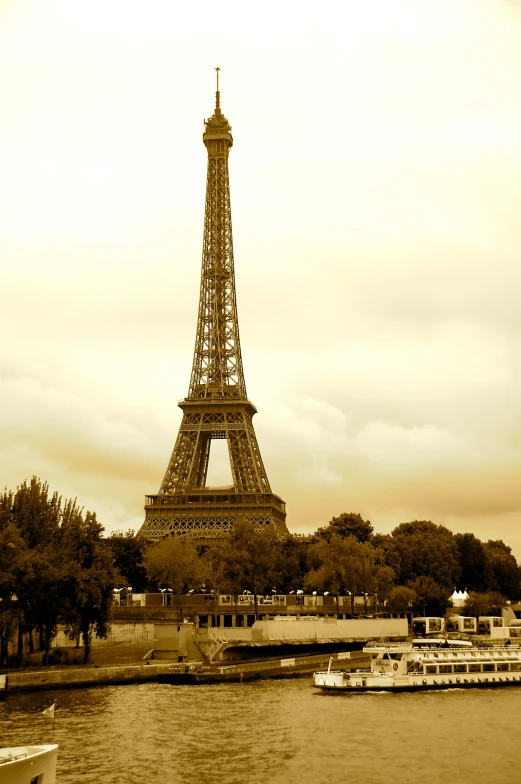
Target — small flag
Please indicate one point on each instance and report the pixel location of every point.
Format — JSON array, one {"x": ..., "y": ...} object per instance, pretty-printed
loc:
[{"x": 50, "y": 711}]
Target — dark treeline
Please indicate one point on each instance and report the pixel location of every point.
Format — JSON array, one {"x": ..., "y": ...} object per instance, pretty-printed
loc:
[
  {"x": 415, "y": 567},
  {"x": 56, "y": 567}
]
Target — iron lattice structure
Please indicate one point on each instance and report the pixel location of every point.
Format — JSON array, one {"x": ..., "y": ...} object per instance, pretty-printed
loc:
[{"x": 217, "y": 406}]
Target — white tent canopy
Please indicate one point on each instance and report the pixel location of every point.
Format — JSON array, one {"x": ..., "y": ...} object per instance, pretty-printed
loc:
[{"x": 459, "y": 598}]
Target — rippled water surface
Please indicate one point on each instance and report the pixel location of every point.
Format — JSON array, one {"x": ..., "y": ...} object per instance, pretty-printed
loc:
[{"x": 271, "y": 731}]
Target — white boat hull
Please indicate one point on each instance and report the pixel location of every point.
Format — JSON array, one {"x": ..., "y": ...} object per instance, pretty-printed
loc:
[
  {"x": 26, "y": 764},
  {"x": 339, "y": 681}
]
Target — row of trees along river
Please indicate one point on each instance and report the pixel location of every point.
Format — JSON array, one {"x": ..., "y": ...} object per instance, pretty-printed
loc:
[{"x": 56, "y": 566}]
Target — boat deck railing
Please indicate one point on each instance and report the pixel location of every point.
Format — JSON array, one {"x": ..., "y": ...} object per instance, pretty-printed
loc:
[{"x": 12, "y": 757}]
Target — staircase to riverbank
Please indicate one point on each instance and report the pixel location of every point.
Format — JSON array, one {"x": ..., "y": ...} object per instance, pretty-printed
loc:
[{"x": 210, "y": 646}]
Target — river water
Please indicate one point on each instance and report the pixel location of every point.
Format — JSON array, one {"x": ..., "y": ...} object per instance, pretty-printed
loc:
[{"x": 271, "y": 731}]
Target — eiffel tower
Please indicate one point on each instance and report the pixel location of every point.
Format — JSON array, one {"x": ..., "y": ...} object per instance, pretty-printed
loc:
[{"x": 217, "y": 406}]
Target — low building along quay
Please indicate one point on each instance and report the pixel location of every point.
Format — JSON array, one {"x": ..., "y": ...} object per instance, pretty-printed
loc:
[{"x": 219, "y": 627}]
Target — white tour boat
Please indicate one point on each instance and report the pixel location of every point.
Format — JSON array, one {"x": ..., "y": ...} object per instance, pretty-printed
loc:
[
  {"x": 28, "y": 764},
  {"x": 428, "y": 664}
]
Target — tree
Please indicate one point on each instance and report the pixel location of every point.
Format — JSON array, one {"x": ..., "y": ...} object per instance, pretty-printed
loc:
[
  {"x": 328, "y": 561},
  {"x": 128, "y": 551},
  {"x": 486, "y": 603},
  {"x": 89, "y": 575},
  {"x": 175, "y": 563},
  {"x": 368, "y": 569},
  {"x": 473, "y": 562},
  {"x": 401, "y": 599},
  {"x": 248, "y": 560},
  {"x": 432, "y": 598},
  {"x": 13, "y": 562},
  {"x": 347, "y": 524},
  {"x": 293, "y": 563},
  {"x": 37, "y": 514},
  {"x": 43, "y": 592},
  {"x": 390, "y": 551},
  {"x": 504, "y": 574},
  {"x": 346, "y": 563},
  {"x": 427, "y": 550},
  {"x": 382, "y": 583}
]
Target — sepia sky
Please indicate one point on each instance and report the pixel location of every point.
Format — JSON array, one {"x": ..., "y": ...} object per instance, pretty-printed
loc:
[{"x": 376, "y": 196}]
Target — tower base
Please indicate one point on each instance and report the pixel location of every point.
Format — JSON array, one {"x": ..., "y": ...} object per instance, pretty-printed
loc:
[{"x": 209, "y": 514}]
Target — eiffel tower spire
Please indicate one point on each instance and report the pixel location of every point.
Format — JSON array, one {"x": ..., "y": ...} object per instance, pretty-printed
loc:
[
  {"x": 217, "y": 406},
  {"x": 217, "y": 368}
]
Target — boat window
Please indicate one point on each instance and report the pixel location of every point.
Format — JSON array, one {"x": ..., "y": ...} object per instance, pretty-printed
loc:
[
  {"x": 445, "y": 668},
  {"x": 515, "y": 666},
  {"x": 474, "y": 667},
  {"x": 430, "y": 669},
  {"x": 502, "y": 666},
  {"x": 488, "y": 667},
  {"x": 460, "y": 667}
]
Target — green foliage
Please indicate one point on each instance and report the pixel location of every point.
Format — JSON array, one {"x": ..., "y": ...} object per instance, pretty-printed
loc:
[
  {"x": 42, "y": 591},
  {"x": 293, "y": 563},
  {"x": 175, "y": 563},
  {"x": 382, "y": 582},
  {"x": 13, "y": 563},
  {"x": 128, "y": 551},
  {"x": 473, "y": 561},
  {"x": 402, "y": 599},
  {"x": 432, "y": 598},
  {"x": 485, "y": 603},
  {"x": 345, "y": 564},
  {"x": 36, "y": 513},
  {"x": 62, "y": 570},
  {"x": 248, "y": 560},
  {"x": 347, "y": 524},
  {"x": 504, "y": 573},
  {"x": 390, "y": 551},
  {"x": 90, "y": 578},
  {"x": 331, "y": 562},
  {"x": 427, "y": 550}
]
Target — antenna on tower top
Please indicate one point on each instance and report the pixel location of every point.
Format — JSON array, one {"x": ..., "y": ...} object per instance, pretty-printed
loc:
[{"x": 217, "y": 93}]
